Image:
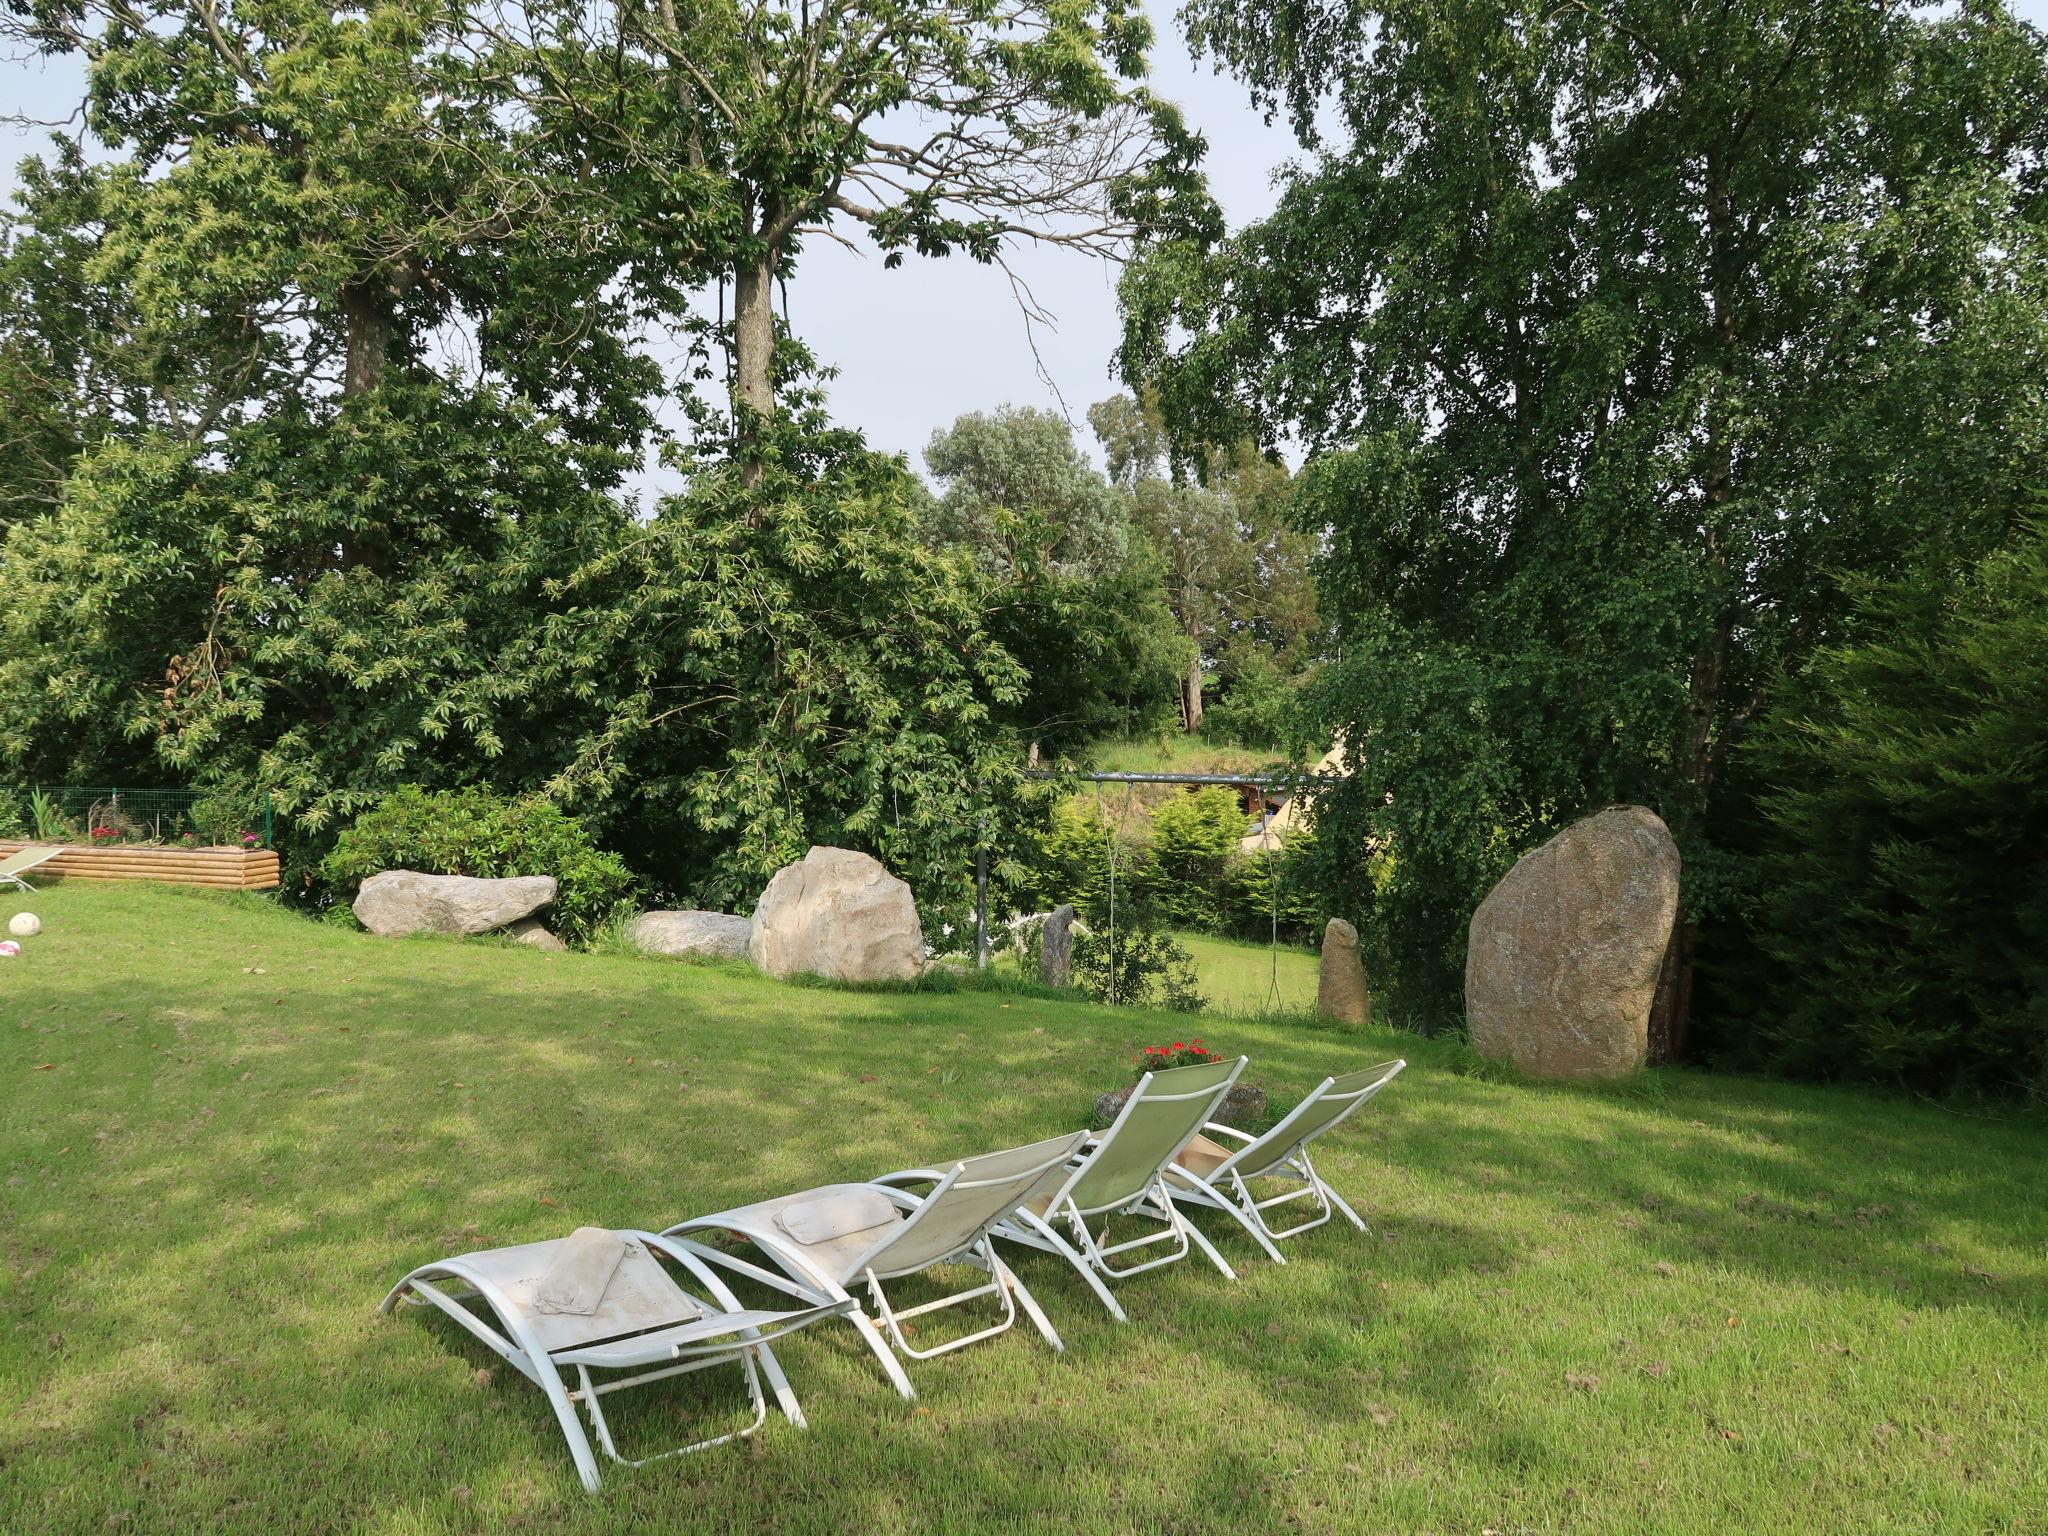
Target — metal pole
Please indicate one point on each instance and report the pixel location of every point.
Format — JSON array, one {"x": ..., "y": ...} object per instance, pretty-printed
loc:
[{"x": 1278, "y": 781}]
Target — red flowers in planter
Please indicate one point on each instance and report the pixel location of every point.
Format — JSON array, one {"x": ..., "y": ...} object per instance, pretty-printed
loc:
[{"x": 1182, "y": 1053}]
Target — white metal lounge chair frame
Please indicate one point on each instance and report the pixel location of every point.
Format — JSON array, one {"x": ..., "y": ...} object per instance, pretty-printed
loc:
[
  {"x": 518, "y": 1346},
  {"x": 1150, "y": 1200},
  {"x": 806, "y": 1280},
  {"x": 1283, "y": 1152},
  {"x": 15, "y": 865}
]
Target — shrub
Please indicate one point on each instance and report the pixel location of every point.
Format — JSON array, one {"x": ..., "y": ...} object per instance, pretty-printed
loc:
[
  {"x": 1248, "y": 893},
  {"x": 1194, "y": 844},
  {"x": 1148, "y": 968},
  {"x": 1260, "y": 709},
  {"x": 477, "y": 832},
  {"x": 1072, "y": 861},
  {"x": 1905, "y": 890}
]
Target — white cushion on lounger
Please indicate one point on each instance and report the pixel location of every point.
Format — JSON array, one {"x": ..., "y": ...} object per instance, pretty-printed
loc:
[
  {"x": 837, "y": 1215},
  {"x": 584, "y": 1263}
]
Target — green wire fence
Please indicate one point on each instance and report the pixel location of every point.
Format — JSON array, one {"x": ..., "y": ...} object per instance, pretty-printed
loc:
[{"x": 103, "y": 816}]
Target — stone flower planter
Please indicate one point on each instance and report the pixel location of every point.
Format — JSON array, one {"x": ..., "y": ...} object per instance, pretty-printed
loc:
[{"x": 1243, "y": 1106}]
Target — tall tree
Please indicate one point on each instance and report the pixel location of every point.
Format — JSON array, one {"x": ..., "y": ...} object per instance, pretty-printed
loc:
[
  {"x": 1623, "y": 332},
  {"x": 962, "y": 125},
  {"x": 1237, "y": 575},
  {"x": 1904, "y": 876},
  {"x": 333, "y": 345},
  {"x": 1074, "y": 592}
]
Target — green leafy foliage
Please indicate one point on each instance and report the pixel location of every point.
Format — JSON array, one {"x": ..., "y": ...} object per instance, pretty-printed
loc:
[
  {"x": 1234, "y": 572},
  {"x": 1625, "y": 342},
  {"x": 474, "y": 831},
  {"x": 1075, "y": 594},
  {"x": 1275, "y": 888},
  {"x": 1136, "y": 967},
  {"x": 1260, "y": 706},
  {"x": 323, "y": 368},
  {"x": 1194, "y": 847},
  {"x": 1903, "y": 892}
]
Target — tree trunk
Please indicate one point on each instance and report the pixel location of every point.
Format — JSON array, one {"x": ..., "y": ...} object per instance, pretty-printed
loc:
[
  {"x": 367, "y": 319},
  {"x": 1671, "y": 1009},
  {"x": 366, "y": 315},
  {"x": 753, "y": 345},
  {"x": 1191, "y": 694}
]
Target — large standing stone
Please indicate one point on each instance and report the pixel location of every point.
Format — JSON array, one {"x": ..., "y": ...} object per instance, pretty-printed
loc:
[
  {"x": 840, "y": 915},
  {"x": 1056, "y": 947},
  {"x": 719, "y": 934},
  {"x": 1563, "y": 955},
  {"x": 405, "y": 901},
  {"x": 1340, "y": 987}
]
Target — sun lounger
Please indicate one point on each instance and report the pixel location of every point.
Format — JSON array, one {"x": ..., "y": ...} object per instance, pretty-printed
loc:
[
  {"x": 1122, "y": 1173},
  {"x": 825, "y": 1242},
  {"x": 1211, "y": 1174},
  {"x": 602, "y": 1301},
  {"x": 15, "y": 865}
]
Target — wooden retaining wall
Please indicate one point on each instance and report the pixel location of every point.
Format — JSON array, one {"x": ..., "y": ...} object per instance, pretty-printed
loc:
[{"x": 224, "y": 869}]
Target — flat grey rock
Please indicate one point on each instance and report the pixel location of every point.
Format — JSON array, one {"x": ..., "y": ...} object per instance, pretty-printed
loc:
[
  {"x": 682, "y": 934},
  {"x": 400, "y": 901},
  {"x": 532, "y": 931}
]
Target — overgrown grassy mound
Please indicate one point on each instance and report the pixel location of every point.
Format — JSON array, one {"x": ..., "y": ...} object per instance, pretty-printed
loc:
[{"x": 1696, "y": 1305}]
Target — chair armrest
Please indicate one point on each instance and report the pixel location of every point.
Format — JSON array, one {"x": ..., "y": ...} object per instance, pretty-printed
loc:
[
  {"x": 909, "y": 1176},
  {"x": 1214, "y": 1129}
]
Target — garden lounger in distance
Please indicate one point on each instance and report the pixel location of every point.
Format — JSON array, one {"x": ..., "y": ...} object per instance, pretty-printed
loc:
[
  {"x": 1122, "y": 1172},
  {"x": 1211, "y": 1175},
  {"x": 15, "y": 865},
  {"x": 825, "y": 1241},
  {"x": 600, "y": 1300}
]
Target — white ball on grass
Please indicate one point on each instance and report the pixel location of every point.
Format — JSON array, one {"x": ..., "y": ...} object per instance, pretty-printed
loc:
[
  {"x": 9, "y": 948},
  {"x": 25, "y": 925}
]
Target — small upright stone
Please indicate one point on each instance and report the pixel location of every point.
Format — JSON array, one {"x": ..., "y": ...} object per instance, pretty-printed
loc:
[
  {"x": 1340, "y": 991},
  {"x": 1056, "y": 947},
  {"x": 532, "y": 931}
]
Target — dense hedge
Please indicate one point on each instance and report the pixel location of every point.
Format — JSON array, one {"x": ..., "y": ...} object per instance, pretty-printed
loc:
[
  {"x": 1180, "y": 867},
  {"x": 1902, "y": 901}
]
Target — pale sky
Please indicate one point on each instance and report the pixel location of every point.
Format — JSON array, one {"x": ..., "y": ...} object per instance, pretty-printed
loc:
[{"x": 918, "y": 346}]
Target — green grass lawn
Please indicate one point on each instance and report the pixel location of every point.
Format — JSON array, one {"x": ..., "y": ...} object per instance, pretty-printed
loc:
[
  {"x": 1240, "y": 979},
  {"x": 1175, "y": 752},
  {"x": 1695, "y": 1305}
]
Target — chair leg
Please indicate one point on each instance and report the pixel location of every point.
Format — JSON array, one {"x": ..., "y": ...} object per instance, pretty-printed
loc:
[
  {"x": 572, "y": 1427},
  {"x": 1345, "y": 1206},
  {"x": 785, "y": 1397},
  {"x": 1202, "y": 1242},
  {"x": 871, "y": 1330},
  {"x": 602, "y": 1425},
  {"x": 1045, "y": 1233},
  {"x": 1250, "y": 1222},
  {"x": 1006, "y": 1276}
]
